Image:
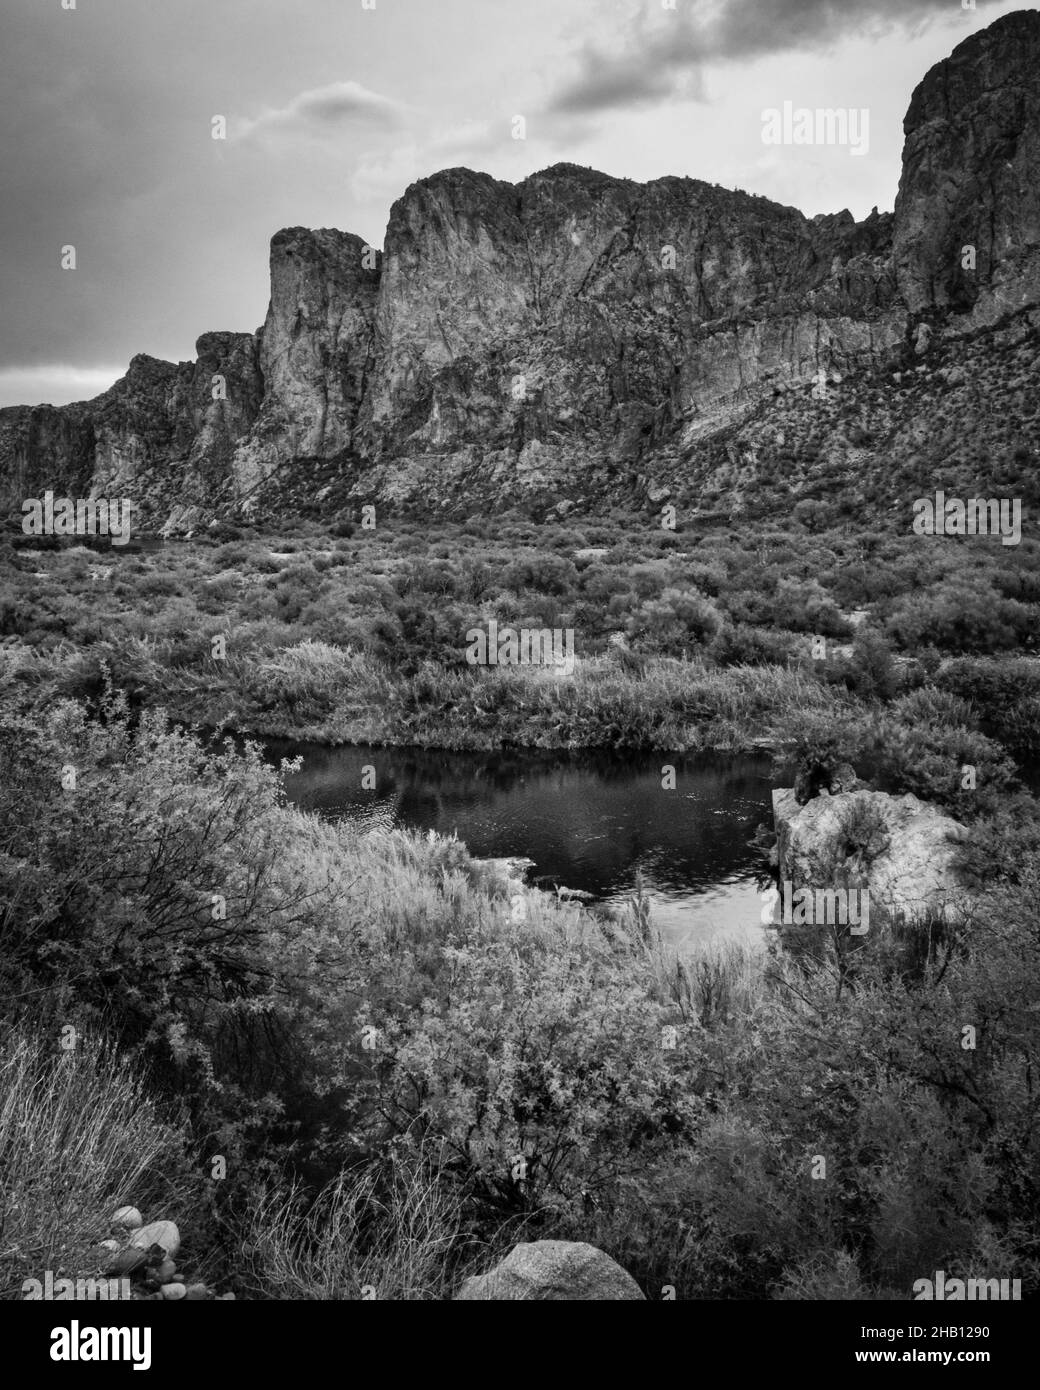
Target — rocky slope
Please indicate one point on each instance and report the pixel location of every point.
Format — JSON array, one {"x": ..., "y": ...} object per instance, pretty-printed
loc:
[{"x": 577, "y": 337}]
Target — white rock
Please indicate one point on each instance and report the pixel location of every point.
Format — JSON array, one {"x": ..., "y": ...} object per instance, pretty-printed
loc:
[
  {"x": 161, "y": 1233},
  {"x": 553, "y": 1270}
]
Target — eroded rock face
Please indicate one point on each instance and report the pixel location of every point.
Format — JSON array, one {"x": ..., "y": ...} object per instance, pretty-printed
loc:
[
  {"x": 971, "y": 176},
  {"x": 562, "y": 334},
  {"x": 900, "y": 848},
  {"x": 553, "y": 1270},
  {"x": 577, "y": 310},
  {"x": 314, "y": 349}
]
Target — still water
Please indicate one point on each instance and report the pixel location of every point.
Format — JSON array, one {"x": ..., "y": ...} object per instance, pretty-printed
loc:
[{"x": 594, "y": 821}]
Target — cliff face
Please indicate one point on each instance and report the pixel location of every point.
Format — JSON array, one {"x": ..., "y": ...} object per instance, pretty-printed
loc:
[
  {"x": 971, "y": 177},
  {"x": 555, "y": 333},
  {"x": 579, "y": 308}
]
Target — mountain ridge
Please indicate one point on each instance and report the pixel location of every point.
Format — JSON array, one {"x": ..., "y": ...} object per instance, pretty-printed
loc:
[{"x": 571, "y": 333}]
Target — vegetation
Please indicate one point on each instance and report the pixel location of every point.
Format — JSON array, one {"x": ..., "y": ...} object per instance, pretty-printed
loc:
[
  {"x": 706, "y": 637},
  {"x": 367, "y": 1008},
  {"x": 402, "y": 1079}
]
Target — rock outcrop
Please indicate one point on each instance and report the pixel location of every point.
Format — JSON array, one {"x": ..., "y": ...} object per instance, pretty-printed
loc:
[
  {"x": 553, "y": 1270},
  {"x": 903, "y": 850},
  {"x": 567, "y": 336},
  {"x": 971, "y": 177}
]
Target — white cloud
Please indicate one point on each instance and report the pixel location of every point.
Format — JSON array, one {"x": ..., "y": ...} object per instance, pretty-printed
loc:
[{"x": 322, "y": 111}]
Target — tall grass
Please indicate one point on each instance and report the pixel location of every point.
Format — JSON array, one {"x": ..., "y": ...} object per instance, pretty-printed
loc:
[
  {"x": 361, "y": 1238},
  {"x": 318, "y": 691},
  {"x": 79, "y": 1137}
]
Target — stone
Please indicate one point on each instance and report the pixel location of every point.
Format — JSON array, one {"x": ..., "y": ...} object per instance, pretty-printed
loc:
[
  {"x": 128, "y": 1217},
  {"x": 553, "y": 1270},
  {"x": 902, "y": 849},
  {"x": 173, "y": 1291},
  {"x": 166, "y": 1272},
  {"x": 161, "y": 1233},
  {"x": 197, "y": 1293},
  {"x": 139, "y": 1251}
]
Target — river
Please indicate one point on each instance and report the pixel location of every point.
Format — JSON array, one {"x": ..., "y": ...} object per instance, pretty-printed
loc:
[{"x": 594, "y": 821}]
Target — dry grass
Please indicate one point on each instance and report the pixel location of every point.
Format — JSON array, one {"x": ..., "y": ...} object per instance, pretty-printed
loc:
[
  {"x": 78, "y": 1138},
  {"x": 357, "y": 1240}
]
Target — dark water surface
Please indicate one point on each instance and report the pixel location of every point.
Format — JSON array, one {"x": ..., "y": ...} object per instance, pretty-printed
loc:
[{"x": 594, "y": 821}]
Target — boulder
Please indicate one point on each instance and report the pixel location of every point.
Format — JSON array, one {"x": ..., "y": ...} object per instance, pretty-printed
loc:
[
  {"x": 161, "y": 1233},
  {"x": 902, "y": 849},
  {"x": 556, "y": 1270},
  {"x": 139, "y": 1250},
  {"x": 173, "y": 1291}
]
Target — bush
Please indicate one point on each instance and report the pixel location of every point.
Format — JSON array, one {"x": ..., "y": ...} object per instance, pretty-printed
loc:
[{"x": 677, "y": 619}]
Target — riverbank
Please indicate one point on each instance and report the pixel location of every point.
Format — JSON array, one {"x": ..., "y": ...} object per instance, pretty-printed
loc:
[
  {"x": 293, "y": 994},
  {"x": 318, "y": 693}
]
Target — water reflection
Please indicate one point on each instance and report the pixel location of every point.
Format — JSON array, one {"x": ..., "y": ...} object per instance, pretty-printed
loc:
[{"x": 593, "y": 821}]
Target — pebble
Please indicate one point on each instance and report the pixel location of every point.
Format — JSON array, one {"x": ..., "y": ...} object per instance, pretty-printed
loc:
[
  {"x": 128, "y": 1217},
  {"x": 172, "y": 1291}
]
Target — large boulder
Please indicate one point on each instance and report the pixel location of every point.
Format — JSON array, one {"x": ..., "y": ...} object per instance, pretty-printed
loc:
[
  {"x": 558, "y": 1270},
  {"x": 900, "y": 848}
]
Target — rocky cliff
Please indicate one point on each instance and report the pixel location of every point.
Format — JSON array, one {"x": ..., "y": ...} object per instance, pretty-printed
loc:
[
  {"x": 971, "y": 177},
  {"x": 568, "y": 334}
]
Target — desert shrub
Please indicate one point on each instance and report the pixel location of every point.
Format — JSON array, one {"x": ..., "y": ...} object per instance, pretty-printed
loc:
[
  {"x": 1005, "y": 696},
  {"x": 678, "y": 618},
  {"x": 959, "y": 616},
  {"x": 869, "y": 671},
  {"x": 739, "y": 645},
  {"x": 145, "y": 894},
  {"x": 547, "y": 574}
]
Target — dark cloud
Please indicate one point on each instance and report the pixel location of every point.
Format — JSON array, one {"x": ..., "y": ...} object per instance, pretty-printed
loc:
[{"x": 665, "y": 60}]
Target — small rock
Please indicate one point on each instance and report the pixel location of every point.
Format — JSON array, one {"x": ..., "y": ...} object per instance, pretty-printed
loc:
[
  {"x": 128, "y": 1217},
  {"x": 196, "y": 1293},
  {"x": 109, "y": 1244},
  {"x": 173, "y": 1291},
  {"x": 226, "y": 1298},
  {"x": 167, "y": 1272}
]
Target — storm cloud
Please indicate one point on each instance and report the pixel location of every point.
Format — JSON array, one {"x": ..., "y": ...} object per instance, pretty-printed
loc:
[{"x": 663, "y": 57}]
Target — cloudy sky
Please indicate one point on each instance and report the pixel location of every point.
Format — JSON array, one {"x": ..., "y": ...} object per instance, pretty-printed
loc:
[{"x": 333, "y": 107}]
